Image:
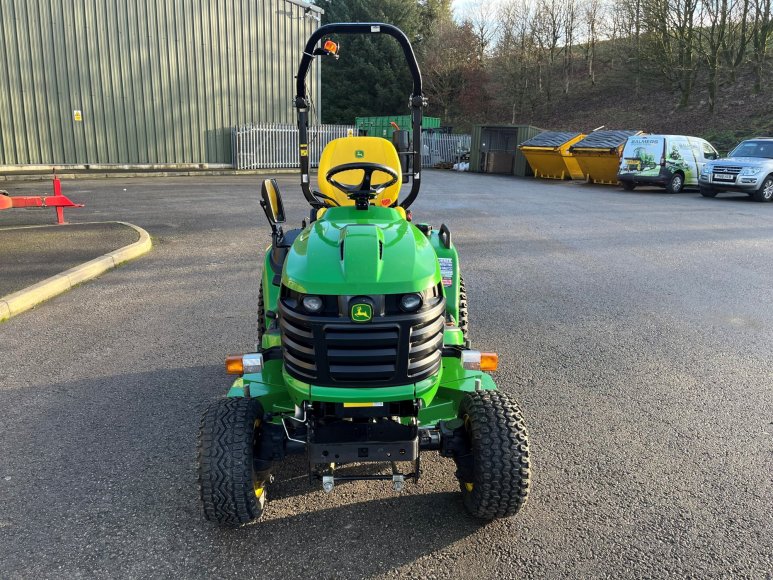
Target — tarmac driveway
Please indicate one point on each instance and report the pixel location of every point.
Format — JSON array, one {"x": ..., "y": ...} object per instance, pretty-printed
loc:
[{"x": 635, "y": 328}]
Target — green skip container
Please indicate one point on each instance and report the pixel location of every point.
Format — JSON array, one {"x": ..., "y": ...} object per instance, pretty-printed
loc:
[{"x": 382, "y": 126}]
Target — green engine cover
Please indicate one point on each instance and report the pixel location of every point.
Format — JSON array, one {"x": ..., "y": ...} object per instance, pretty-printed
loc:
[
  {"x": 350, "y": 251},
  {"x": 355, "y": 252}
]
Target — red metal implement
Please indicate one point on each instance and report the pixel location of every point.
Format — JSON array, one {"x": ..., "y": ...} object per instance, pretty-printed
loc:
[{"x": 58, "y": 201}]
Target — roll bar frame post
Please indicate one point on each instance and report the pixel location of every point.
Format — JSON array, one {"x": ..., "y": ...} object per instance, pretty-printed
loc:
[{"x": 417, "y": 100}]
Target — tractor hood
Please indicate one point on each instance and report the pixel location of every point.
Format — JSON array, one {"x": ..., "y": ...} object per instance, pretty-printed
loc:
[{"x": 350, "y": 251}]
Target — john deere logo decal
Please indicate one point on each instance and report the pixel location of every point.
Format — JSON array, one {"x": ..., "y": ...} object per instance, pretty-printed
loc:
[
  {"x": 359, "y": 154},
  {"x": 362, "y": 312}
]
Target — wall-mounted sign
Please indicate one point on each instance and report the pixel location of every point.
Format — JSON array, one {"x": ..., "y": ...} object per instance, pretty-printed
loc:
[{"x": 77, "y": 116}]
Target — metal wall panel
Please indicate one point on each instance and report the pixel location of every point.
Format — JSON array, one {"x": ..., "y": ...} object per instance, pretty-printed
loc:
[
  {"x": 156, "y": 81},
  {"x": 487, "y": 138}
]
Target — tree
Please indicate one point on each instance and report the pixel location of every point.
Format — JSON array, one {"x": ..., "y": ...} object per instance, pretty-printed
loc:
[
  {"x": 714, "y": 16},
  {"x": 736, "y": 38},
  {"x": 761, "y": 33},
  {"x": 505, "y": 60},
  {"x": 454, "y": 77},
  {"x": 371, "y": 77},
  {"x": 591, "y": 14},
  {"x": 548, "y": 29},
  {"x": 515, "y": 58},
  {"x": 671, "y": 27},
  {"x": 433, "y": 13},
  {"x": 627, "y": 29},
  {"x": 570, "y": 18},
  {"x": 482, "y": 22}
]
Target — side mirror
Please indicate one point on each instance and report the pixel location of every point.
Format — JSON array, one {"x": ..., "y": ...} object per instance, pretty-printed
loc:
[{"x": 271, "y": 202}]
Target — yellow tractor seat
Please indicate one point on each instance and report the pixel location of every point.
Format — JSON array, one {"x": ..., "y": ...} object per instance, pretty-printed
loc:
[{"x": 363, "y": 150}]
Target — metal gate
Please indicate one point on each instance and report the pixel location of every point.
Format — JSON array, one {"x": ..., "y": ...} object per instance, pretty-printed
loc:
[
  {"x": 275, "y": 146},
  {"x": 443, "y": 148}
]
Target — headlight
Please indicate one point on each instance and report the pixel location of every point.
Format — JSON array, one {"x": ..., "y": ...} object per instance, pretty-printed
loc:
[
  {"x": 706, "y": 169},
  {"x": 410, "y": 302},
  {"x": 750, "y": 170},
  {"x": 312, "y": 304}
]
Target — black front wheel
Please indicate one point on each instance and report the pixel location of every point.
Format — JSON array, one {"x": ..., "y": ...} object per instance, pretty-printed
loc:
[
  {"x": 628, "y": 185},
  {"x": 708, "y": 192},
  {"x": 232, "y": 490},
  {"x": 765, "y": 192},
  {"x": 495, "y": 484}
]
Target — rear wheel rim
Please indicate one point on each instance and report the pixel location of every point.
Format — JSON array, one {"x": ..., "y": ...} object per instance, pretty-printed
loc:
[{"x": 677, "y": 183}]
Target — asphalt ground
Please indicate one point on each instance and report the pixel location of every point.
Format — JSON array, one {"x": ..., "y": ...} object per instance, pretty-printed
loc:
[
  {"x": 32, "y": 254},
  {"x": 635, "y": 328}
]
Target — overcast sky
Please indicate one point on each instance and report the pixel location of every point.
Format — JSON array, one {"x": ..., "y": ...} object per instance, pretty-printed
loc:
[{"x": 462, "y": 7}]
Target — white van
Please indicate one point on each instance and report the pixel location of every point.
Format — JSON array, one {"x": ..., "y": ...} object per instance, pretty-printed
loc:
[{"x": 671, "y": 161}]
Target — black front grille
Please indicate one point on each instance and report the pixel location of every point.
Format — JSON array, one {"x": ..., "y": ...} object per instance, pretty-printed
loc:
[
  {"x": 395, "y": 348},
  {"x": 357, "y": 353},
  {"x": 729, "y": 169},
  {"x": 298, "y": 346}
]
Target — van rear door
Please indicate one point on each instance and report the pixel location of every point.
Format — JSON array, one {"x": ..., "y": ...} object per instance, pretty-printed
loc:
[{"x": 641, "y": 156}]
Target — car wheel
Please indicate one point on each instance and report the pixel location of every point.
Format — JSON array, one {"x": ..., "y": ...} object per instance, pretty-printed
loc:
[
  {"x": 629, "y": 185},
  {"x": 708, "y": 192},
  {"x": 765, "y": 192},
  {"x": 676, "y": 183}
]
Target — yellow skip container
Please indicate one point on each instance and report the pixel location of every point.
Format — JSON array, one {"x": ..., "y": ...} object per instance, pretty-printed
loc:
[
  {"x": 598, "y": 155},
  {"x": 550, "y": 156}
]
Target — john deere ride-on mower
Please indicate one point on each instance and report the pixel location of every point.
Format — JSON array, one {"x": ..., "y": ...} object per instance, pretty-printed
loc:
[{"x": 363, "y": 353}]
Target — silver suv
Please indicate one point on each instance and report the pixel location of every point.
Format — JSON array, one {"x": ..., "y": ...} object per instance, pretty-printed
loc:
[{"x": 748, "y": 168}]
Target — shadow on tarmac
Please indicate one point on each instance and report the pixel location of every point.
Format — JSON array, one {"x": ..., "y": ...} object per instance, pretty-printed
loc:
[{"x": 114, "y": 460}]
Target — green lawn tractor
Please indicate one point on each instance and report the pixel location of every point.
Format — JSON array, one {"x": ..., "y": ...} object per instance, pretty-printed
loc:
[{"x": 363, "y": 353}]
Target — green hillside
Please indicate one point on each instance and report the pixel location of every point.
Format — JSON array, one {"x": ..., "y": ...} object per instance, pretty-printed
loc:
[
  {"x": 697, "y": 67},
  {"x": 615, "y": 103}
]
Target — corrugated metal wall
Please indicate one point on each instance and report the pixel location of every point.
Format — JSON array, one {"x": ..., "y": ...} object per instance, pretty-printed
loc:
[
  {"x": 156, "y": 81},
  {"x": 501, "y": 138}
]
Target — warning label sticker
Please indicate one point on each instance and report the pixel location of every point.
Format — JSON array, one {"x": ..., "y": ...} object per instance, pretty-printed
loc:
[{"x": 446, "y": 270}]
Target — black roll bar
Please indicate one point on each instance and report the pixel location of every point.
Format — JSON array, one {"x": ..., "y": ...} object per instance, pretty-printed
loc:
[{"x": 417, "y": 101}]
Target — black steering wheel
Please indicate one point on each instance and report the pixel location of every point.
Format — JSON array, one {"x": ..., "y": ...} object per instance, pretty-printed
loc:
[{"x": 365, "y": 189}]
